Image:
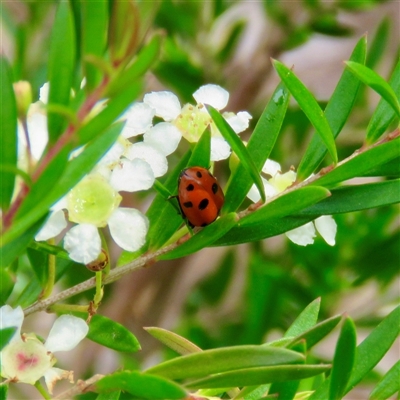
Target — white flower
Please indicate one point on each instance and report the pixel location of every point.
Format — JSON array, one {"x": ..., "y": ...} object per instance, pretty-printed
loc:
[
  {"x": 93, "y": 203},
  {"x": 26, "y": 359},
  {"x": 305, "y": 234},
  {"x": 192, "y": 120}
]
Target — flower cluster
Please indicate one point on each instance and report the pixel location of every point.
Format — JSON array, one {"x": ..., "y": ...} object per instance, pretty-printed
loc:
[
  {"x": 305, "y": 234},
  {"x": 132, "y": 165},
  {"x": 26, "y": 359}
]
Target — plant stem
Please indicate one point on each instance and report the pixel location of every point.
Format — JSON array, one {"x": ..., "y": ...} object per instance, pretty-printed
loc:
[{"x": 42, "y": 390}]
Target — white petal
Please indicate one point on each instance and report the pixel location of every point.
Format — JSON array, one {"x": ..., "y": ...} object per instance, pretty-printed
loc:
[
  {"x": 282, "y": 181},
  {"x": 52, "y": 375},
  {"x": 139, "y": 118},
  {"x": 220, "y": 149},
  {"x": 128, "y": 228},
  {"x": 166, "y": 104},
  {"x": 53, "y": 226},
  {"x": 254, "y": 194},
  {"x": 326, "y": 226},
  {"x": 213, "y": 95},
  {"x": 239, "y": 122},
  {"x": 83, "y": 243},
  {"x": 66, "y": 332},
  {"x": 131, "y": 176},
  {"x": 271, "y": 167},
  {"x": 113, "y": 154},
  {"x": 12, "y": 317},
  {"x": 163, "y": 136},
  {"x": 151, "y": 155},
  {"x": 303, "y": 235},
  {"x": 44, "y": 93},
  {"x": 38, "y": 135}
]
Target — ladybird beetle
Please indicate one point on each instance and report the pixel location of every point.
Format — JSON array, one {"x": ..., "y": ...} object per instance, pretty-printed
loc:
[{"x": 200, "y": 196}]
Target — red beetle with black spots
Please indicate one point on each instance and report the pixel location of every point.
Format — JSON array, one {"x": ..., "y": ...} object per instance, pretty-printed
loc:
[{"x": 200, "y": 196}]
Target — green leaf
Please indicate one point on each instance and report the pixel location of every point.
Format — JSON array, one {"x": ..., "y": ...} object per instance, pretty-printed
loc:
[
  {"x": 8, "y": 134},
  {"x": 206, "y": 237},
  {"x": 286, "y": 204},
  {"x": 361, "y": 163},
  {"x": 384, "y": 114},
  {"x": 309, "y": 105},
  {"x": 109, "y": 396},
  {"x": 224, "y": 359},
  {"x": 378, "y": 44},
  {"x": 315, "y": 334},
  {"x": 368, "y": 353},
  {"x": 336, "y": 112},
  {"x": 262, "y": 230},
  {"x": 347, "y": 199},
  {"x": 175, "y": 342},
  {"x": 75, "y": 170},
  {"x": 61, "y": 66},
  {"x": 140, "y": 385},
  {"x": 343, "y": 360},
  {"x": 259, "y": 376},
  {"x": 163, "y": 217},
  {"x": 388, "y": 385},
  {"x": 376, "y": 82},
  {"x": 202, "y": 151},
  {"x": 260, "y": 145},
  {"x": 144, "y": 61},
  {"x": 374, "y": 347},
  {"x": 238, "y": 147},
  {"x": 111, "y": 334},
  {"x": 284, "y": 390},
  {"x": 94, "y": 37},
  {"x": 306, "y": 320},
  {"x": 11, "y": 250},
  {"x": 5, "y": 335},
  {"x": 7, "y": 281},
  {"x": 3, "y": 392},
  {"x": 115, "y": 107}
]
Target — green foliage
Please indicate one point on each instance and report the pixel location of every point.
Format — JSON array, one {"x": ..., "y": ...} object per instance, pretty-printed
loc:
[{"x": 248, "y": 323}]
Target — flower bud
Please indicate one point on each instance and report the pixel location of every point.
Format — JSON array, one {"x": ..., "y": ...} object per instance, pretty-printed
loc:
[{"x": 23, "y": 96}]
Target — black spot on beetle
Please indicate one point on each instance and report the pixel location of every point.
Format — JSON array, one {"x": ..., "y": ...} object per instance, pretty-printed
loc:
[
  {"x": 203, "y": 204},
  {"x": 198, "y": 174},
  {"x": 188, "y": 204},
  {"x": 214, "y": 188},
  {"x": 189, "y": 187}
]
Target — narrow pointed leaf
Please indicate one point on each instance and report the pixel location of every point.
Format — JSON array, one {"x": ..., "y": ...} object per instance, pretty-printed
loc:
[
  {"x": 388, "y": 385},
  {"x": 94, "y": 37},
  {"x": 224, "y": 359},
  {"x": 361, "y": 163},
  {"x": 286, "y": 204},
  {"x": 343, "y": 360},
  {"x": 5, "y": 335},
  {"x": 379, "y": 43},
  {"x": 202, "y": 151},
  {"x": 238, "y": 147},
  {"x": 259, "y": 376},
  {"x": 309, "y": 105},
  {"x": 306, "y": 320},
  {"x": 260, "y": 145},
  {"x": 61, "y": 66},
  {"x": 384, "y": 114},
  {"x": 347, "y": 199},
  {"x": 111, "y": 334},
  {"x": 336, "y": 112},
  {"x": 143, "y": 386},
  {"x": 205, "y": 238},
  {"x": 8, "y": 134},
  {"x": 315, "y": 334},
  {"x": 374, "y": 347},
  {"x": 175, "y": 342},
  {"x": 368, "y": 353},
  {"x": 375, "y": 82}
]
